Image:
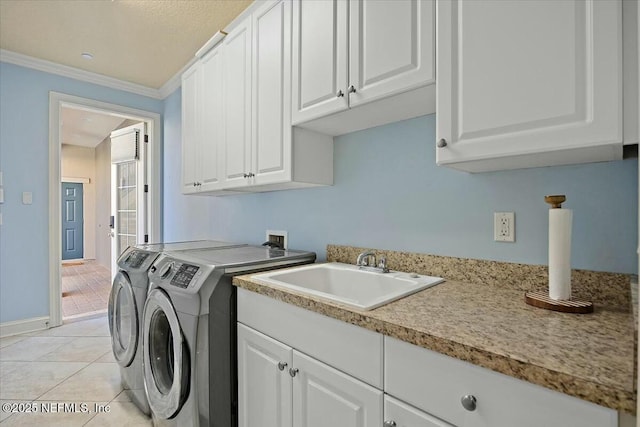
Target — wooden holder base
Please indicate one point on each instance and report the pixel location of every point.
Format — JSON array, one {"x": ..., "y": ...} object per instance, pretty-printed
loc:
[{"x": 542, "y": 300}]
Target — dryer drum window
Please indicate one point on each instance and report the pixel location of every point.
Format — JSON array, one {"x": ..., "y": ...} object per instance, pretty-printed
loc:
[
  {"x": 166, "y": 356},
  {"x": 123, "y": 320},
  {"x": 161, "y": 351}
]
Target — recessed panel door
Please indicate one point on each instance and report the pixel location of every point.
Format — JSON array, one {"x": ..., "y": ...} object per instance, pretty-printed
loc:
[
  {"x": 72, "y": 221},
  {"x": 323, "y": 396}
]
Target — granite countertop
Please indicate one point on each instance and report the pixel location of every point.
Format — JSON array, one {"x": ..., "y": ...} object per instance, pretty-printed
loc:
[{"x": 590, "y": 356}]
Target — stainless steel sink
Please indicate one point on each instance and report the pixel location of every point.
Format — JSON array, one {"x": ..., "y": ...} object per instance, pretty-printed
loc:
[{"x": 348, "y": 284}]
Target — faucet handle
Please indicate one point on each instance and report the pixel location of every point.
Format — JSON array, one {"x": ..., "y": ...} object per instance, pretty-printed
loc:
[{"x": 382, "y": 264}]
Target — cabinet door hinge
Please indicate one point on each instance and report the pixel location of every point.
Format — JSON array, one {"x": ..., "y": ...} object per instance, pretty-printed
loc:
[
  {"x": 146, "y": 238},
  {"x": 146, "y": 138},
  {"x": 146, "y": 188}
]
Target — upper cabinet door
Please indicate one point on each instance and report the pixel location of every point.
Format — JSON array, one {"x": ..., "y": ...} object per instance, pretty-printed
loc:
[
  {"x": 212, "y": 125},
  {"x": 237, "y": 103},
  {"x": 319, "y": 77},
  {"x": 392, "y": 47},
  {"x": 528, "y": 83},
  {"x": 271, "y": 133},
  {"x": 190, "y": 133}
]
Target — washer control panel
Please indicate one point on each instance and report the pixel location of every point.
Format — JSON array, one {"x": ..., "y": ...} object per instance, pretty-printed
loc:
[
  {"x": 184, "y": 275},
  {"x": 136, "y": 258}
]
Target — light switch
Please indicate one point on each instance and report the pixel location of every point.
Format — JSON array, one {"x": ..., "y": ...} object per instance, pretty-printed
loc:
[{"x": 27, "y": 198}]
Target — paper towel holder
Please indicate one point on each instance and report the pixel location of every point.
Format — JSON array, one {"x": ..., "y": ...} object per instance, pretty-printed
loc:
[{"x": 555, "y": 201}]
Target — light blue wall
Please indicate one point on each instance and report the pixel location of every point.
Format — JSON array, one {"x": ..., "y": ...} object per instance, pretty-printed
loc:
[
  {"x": 390, "y": 194},
  {"x": 24, "y": 159},
  {"x": 185, "y": 217}
]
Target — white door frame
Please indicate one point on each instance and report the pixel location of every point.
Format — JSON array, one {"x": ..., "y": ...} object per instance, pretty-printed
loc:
[{"x": 56, "y": 102}]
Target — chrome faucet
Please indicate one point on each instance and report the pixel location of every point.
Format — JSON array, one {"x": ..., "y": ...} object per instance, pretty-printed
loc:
[
  {"x": 367, "y": 260},
  {"x": 364, "y": 259}
]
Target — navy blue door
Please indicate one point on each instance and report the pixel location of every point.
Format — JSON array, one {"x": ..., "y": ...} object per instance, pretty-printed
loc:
[{"x": 72, "y": 222}]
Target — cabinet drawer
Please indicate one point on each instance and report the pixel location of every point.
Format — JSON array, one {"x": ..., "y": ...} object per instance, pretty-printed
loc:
[
  {"x": 435, "y": 383},
  {"x": 399, "y": 414},
  {"x": 351, "y": 349}
]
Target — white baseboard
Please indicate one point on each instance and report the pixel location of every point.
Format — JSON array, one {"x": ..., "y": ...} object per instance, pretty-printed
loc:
[{"x": 23, "y": 326}]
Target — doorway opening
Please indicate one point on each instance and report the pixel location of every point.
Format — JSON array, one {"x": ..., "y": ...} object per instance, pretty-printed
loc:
[{"x": 104, "y": 162}]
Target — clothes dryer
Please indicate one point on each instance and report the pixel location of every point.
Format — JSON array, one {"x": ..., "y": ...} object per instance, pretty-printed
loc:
[
  {"x": 126, "y": 302},
  {"x": 189, "y": 327}
]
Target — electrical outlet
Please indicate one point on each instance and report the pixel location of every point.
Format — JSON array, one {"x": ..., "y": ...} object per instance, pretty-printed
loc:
[
  {"x": 277, "y": 236},
  {"x": 504, "y": 227}
]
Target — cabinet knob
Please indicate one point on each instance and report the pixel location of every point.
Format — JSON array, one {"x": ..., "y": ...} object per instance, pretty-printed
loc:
[
  {"x": 194, "y": 184},
  {"x": 245, "y": 175},
  {"x": 389, "y": 423},
  {"x": 469, "y": 402},
  {"x": 352, "y": 89},
  {"x": 340, "y": 94},
  {"x": 442, "y": 143},
  {"x": 293, "y": 372},
  {"x": 282, "y": 365}
]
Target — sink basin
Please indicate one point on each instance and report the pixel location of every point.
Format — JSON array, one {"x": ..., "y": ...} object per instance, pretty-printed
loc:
[{"x": 348, "y": 284}]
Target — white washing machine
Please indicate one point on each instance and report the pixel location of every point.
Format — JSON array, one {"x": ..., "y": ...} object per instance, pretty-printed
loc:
[
  {"x": 189, "y": 327},
  {"x": 126, "y": 302}
]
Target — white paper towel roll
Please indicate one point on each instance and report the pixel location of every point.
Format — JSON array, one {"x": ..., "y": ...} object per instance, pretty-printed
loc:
[{"x": 560, "y": 253}]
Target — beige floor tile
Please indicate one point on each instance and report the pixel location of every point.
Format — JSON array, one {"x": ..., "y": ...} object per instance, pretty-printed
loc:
[
  {"x": 31, "y": 348},
  {"x": 107, "y": 357},
  {"x": 10, "y": 340},
  {"x": 32, "y": 380},
  {"x": 15, "y": 407},
  {"x": 121, "y": 413},
  {"x": 84, "y": 328},
  {"x": 122, "y": 397},
  {"x": 81, "y": 349},
  {"x": 6, "y": 367},
  {"x": 101, "y": 381},
  {"x": 54, "y": 414}
]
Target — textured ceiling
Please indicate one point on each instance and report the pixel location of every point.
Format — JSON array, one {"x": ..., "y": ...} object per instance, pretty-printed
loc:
[{"x": 139, "y": 41}]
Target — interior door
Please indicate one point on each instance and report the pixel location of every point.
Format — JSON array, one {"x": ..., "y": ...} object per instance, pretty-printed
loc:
[
  {"x": 72, "y": 221},
  {"x": 129, "y": 199}
]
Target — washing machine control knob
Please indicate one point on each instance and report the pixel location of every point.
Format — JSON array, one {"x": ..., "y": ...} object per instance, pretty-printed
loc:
[{"x": 166, "y": 270}]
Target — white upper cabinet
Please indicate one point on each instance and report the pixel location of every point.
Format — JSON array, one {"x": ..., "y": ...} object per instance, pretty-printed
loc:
[
  {"x": 347, "y": 53},
  {"x": 236, "y": 145},
  {"x": 237, "y": 132},
  {"x": 320, "y": 66},
  {"x": 528, "y": 83},
  {"x": 202, "y": 124},
  {"x": 391, "y": 47},
  {"x": 271, "y": 132},
  {"x": 190, "y": 135},
  {"x": 209, "y": 158}
]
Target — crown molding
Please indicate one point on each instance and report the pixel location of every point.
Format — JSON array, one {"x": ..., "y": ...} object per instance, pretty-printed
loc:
[
  {"x": 77, "y": 74},
  {"x": 176, "y": 81}
]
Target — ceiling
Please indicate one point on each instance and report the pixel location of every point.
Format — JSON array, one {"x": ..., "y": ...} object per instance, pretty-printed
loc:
[
  {"x": 146, "y": 42},
  {"x": 86, "y": 128}
]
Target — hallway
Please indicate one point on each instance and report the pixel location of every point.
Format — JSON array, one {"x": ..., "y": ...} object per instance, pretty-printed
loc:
[{"x": 85, "y": 288}]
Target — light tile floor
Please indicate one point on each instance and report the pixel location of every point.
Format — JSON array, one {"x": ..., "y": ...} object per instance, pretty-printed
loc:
[
  {"x": 69, "y": 369},
  {"x": 85, "y": 288}
]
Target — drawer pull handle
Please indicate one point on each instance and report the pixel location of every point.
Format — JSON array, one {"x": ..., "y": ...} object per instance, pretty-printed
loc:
[
  {"x": 293, "y": 372},
  {"x": 390, "y": 423},
  {"x": 469, "y": 402},
  {"x": 282, "y": 365}
]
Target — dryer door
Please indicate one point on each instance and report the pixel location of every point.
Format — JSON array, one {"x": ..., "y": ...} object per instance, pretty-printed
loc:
[
  {"x": 123, "y": 319},
  {"x": 166, "y": 356}
]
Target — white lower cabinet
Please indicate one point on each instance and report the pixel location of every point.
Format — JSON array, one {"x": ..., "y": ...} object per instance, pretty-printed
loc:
[
  {"x": 399, "y": 414},
  {"x": 264, "y": 384},
  {"x": 297, "y": 368},
  {"x": 467, "y": 395},
  {"x": 281, "y": 387}
]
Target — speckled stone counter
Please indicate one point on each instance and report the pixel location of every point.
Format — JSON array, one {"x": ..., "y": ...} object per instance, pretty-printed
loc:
[{"x": 479, "y": 315}]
